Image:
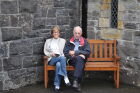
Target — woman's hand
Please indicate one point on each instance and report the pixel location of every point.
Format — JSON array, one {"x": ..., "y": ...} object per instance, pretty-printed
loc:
[{"x": 53, "y": 54}]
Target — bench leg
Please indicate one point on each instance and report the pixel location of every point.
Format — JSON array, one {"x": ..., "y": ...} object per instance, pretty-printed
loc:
[
  {"x": 115, "y": 77},
  {"x": 118, "y": 78},
  {"x": 46, "y": 77}
]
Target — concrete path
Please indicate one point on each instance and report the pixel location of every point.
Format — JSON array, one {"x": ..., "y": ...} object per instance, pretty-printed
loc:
[{"x": 88, "y": 86}]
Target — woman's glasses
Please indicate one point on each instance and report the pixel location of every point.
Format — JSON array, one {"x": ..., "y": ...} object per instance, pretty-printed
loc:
[{"x": 55, "y": 32}]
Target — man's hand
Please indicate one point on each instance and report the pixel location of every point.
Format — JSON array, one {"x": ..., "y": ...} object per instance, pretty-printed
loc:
[
  {"x": 82, "y": 56},
  {"x": 71, "y": 52}
]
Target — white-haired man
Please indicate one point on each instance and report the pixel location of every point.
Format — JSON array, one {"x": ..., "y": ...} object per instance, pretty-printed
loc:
[{"x": 77, "y": 50}]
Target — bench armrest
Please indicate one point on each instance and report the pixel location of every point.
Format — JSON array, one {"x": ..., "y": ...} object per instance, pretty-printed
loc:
[
  {"x": 117, "y": 58},
  {"x": 45, "y": 59}
]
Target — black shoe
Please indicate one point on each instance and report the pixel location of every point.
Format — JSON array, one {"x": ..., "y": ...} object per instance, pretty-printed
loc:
[
  {"x": 57, "y": 90},
  {"x": 68, "y": 84},
  {"x": 75, "y": 84}
]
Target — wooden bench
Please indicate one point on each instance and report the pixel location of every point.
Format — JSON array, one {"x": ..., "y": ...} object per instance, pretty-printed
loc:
[{"x": 103, "y": 57}]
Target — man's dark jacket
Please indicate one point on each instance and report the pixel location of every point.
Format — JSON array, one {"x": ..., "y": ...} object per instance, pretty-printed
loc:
[{"x": 83, "y": 48}]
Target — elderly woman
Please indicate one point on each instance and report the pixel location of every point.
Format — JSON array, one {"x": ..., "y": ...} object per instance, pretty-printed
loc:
[{"x": 53, "y": 48}]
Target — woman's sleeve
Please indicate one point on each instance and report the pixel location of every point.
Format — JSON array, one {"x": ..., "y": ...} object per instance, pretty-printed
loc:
[{"x": 46, "y": 50}]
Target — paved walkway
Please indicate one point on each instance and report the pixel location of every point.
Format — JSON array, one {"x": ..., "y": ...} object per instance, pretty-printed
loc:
[{"x": 88, "y": 86}]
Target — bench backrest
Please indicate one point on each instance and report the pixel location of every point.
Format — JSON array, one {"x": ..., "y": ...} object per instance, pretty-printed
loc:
[{"x": 102, "y": 50}]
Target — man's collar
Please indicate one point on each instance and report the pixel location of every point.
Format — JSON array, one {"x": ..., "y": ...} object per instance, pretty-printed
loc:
[{"x": 81, "y": 40}]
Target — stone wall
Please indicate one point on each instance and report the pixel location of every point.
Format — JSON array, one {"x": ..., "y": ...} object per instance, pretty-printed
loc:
[
  {"x": 24, "y": 26},
  {"x": 129, "y": 43},
  {"x": 127, "y": 33}
]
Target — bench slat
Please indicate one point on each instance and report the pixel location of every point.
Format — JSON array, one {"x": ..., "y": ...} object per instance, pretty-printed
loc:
[
  {"x": 101, "y": 51},
  {"x": 95, "y": 50},
  {"x": 91, "y": 49},
  {"x": 100, "y": 59},
  {"x": 110, "y": 50},
  {"x": 100, "y": 41},
  {"x": 105, "y": 50}
]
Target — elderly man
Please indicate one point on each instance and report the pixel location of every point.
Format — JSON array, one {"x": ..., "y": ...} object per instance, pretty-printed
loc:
[{"x": 77, "y": 50}]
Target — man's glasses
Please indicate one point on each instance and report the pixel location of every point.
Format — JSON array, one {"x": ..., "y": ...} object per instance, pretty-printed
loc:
[{"x": 77, "y": 33}]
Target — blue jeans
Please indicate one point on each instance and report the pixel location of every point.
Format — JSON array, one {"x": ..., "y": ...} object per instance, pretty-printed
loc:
[{"x": 60, "y": 63}]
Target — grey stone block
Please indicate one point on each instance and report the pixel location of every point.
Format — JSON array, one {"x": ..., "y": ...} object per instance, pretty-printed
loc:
[
  {"x": 19, "y": 78},
  {"x": 28, "y": 61},
  {"x": 72, "y": 24},
  {"x": 51, "y": 12},
  {"x": 29, "y": 33},
  {"x": 0, "y": 65},
  {"x": 38, "y": 48},
  {"x": 38, "y": 24},
  {"x": 9, "y": 7},
  {"x": 68, "y": 34},
  {"x": 62, "y": 12},
  {"x": 41, "y": 12},
  {"x": 137, "y": 33},
  {"x": 136, "y": 40},
  {"x": 128, "y": 35},
  {"x": 137, "y": 61},
  {"x": 130, "y": 25},
  {"x": 138, "y": 25},
  {"x": 4, "y": 50},
  {"x": 9, "y": 34},
  {"x": 91, "y": 35},
  {"x": 63, "y": 20},
  {"x": 32, "y": 61},
  {"x": 25, "y": 19},
  {"x": 27, "y": 6},
  {"x": 95, "y": 14},
  {"x": 128, "y": 51},
  {"x": 13, "y": 74},
  {"x": 20, "y": 48},
  {"x": 131, "y": 16},
  {"x": 12, "y": 63},
  {"x": 1, "y": 86},
  {"x": 14, "y": 20},
  {"x": 4, "y": 20},
  {"x": 71, "y": 13},
  {"x": 49, "y": 27},
  {"x": 91, "y": 23},
  {"x": 59, "y": 3},
  {"x": 39, "y": 40},
  {"x": 21, "y": 20},
  {"x": 69, "y": 4},
  {"x": 51, "y": 21}
]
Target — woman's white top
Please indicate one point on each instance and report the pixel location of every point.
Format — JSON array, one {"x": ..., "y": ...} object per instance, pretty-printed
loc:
[{"x": 53, "y": 45}]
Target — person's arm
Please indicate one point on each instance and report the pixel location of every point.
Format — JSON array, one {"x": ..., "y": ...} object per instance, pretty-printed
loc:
[
  {"x": 47, "y": 51},
  {"x": 67, "y": 49}
]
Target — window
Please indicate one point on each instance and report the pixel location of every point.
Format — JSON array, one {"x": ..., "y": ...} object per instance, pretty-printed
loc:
[{"x": 114, "y": 13}]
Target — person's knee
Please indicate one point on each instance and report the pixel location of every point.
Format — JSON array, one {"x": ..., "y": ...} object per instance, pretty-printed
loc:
[
  {"x": 79, "y": 58},
  {"x": 63, "y": 58},
  {"x": 58, "y": 64}
]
